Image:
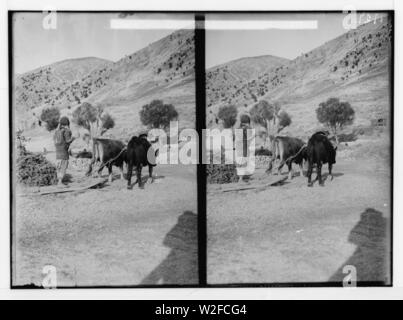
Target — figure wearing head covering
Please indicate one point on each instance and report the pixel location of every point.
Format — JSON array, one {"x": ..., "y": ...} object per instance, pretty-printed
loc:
[
  {"x": 246, "y": 166},
  {"x": 62, "y": 140}
]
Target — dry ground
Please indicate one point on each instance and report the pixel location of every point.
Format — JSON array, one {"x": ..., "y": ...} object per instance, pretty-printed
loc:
[
  {"x": 111, "y": 236},
  {"x": 292, "y": 233}
]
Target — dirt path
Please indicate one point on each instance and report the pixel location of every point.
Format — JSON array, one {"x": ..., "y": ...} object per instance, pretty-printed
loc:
[
  {"x": 292, "y": 233},
  {"x": 112, "y": 236}
]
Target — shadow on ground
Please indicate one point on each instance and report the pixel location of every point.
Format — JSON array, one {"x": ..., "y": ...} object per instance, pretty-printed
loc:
[
  {"x": 371, "y": 257},
  {"x": 181, "y": 265}
]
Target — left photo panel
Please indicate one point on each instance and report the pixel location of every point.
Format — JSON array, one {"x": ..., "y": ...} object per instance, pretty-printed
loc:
[{"x": 102, "y": 105}]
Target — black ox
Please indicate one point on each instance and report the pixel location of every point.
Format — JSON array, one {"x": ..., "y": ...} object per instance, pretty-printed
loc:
[
  {"x": 319, "y": 151},
  {"x": 140, "y": 154}
]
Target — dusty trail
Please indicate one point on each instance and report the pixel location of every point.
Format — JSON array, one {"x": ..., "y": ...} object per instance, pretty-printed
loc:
[
  {"x": 112, "y": 236},
  {"x": 292, "y": 233}
]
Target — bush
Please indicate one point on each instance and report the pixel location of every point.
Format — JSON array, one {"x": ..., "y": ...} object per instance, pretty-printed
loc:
[
  {"x": 335, "y": 114},
  {"x": 228, "y": 114},
  {"x": 107, "y": 121},
  {"x": 221, "y": 173},
  {"x": 93, "y": 119},
  {"x": 284, "y": 120},
  {"x": 156, "y": 114},
  {"x": 84, "y": 115},
  {"x": 261, "y": 112},
  {"x": 35, "y": 170},
  {"x": 51, "y": 117}
]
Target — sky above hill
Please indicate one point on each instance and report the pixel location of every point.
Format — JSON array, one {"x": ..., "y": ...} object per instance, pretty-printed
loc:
[
  {"x": 226, "y": 45},
  {"x": 80, "y": 35}
]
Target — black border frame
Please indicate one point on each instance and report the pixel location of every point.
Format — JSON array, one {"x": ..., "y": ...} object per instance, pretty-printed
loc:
[{"x": 199, "y": 16}]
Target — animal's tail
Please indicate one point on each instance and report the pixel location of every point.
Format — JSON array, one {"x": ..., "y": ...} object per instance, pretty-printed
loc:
[{"x": 291, "y": 158}]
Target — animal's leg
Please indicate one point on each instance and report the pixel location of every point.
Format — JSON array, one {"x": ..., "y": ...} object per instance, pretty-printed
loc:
[
  {"x": 122, "y": 176},
  {"x": 330, "y": 171},
  {"x": 110, "y": 178},
  {"x": 309, "y": 173},
  {"x": 129, "y": 174},
  {"x": 282, "y": 163},
  {"x": 99, "y": 173},
  {"x": 94, "y": 158},
  {"x": 89, "y": 171},
  {"x": 301, "y": 169},
  {"x": 150, "y": 173},
  {"x": 320, "y": 174},
  {"x": 289, "y": 165},
  {"x": 139, "y": 167},
  {"x": 269, "y": 169}
]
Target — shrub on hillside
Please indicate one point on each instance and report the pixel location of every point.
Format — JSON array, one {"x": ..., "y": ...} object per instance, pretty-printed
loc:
[
  {"x": 93, "y": 119},
  {"x": 284, "y": 120},
  {"x": 51, "y": 117},
  {"x": 335, "y": 114},
  {"x": 228, "y": 114},
  {"x": 156, "y": 114},
  {"x": 33, "y": 169}
]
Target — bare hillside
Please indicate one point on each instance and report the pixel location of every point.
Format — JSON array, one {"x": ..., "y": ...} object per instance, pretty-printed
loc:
[
  {"x": 162, "y": 70},
  {"x": 45, "y": 85},
  {"x": 353, "y": 67},
  {"x": 232, "y": 82}
]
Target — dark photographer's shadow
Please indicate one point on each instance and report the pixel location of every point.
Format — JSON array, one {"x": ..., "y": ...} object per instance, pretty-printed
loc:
[
  {"x": 180, "y": 267},
  {"x": 373, "y": 249}
]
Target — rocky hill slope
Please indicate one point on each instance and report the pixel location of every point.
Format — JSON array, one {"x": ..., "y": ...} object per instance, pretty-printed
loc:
[
  {"x": 162, "y": 70},
  {"x": 354, "y": 67},
  {"x": 232, "y": 82},
  {"x": 44, "y": 85}
]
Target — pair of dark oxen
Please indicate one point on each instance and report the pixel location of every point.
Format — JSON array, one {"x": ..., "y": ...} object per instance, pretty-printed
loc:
[
  {"x": 137, "y": 154},
  {"x": 318, "y": 151}
]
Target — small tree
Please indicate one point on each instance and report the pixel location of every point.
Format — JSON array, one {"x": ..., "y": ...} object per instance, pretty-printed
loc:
[
  {"x": 284, "y": 120},
  {"x": 107, "y": 122},
  {"x": 335, "y": 115},
  {"x": 228, "y": 114},
  {"x": 270, "y": 116},
  {"x": 158, "y": 115},
  {"x": 94, "y": 119},
  {"x": 51, "y": 117},
  {"x": 263, "y": 113}
]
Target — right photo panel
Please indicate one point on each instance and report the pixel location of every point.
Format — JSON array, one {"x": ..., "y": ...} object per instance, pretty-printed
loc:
[{"x": 299, "y": 114}]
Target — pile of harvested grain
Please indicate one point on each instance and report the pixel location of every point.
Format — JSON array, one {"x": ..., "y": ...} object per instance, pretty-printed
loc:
[
  {"x": 221, "y": 173},
  {"x": 33, "y": 169}
]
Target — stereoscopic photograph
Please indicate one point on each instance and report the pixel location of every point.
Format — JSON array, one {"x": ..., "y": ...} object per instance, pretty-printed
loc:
[
  {"x": 308, "y": 98},
  {"x": 95, "y": 98},
  {"x": 106, "y": 155}
]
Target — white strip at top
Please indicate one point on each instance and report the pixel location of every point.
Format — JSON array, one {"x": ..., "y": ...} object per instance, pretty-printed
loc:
[
  {"x": 152, "y": 24},
  {"x": 261, "y": 24}
]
